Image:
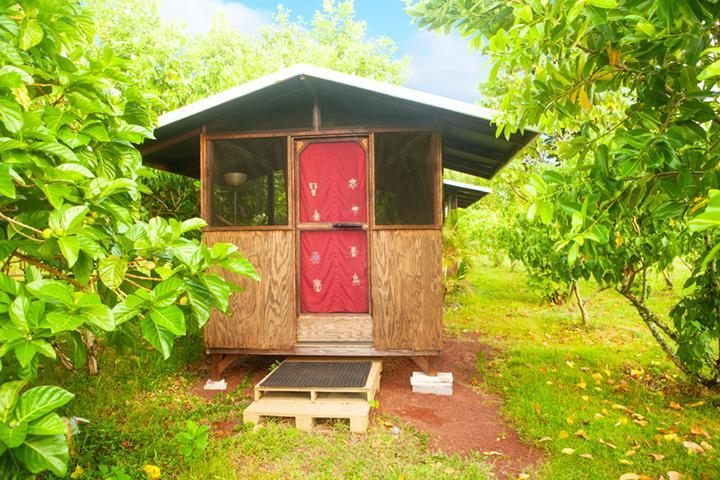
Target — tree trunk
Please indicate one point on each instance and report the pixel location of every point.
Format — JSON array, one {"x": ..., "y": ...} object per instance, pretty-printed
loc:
[
  {"x": 88, "y": 339},
  {"x": 580, "y": 302}
]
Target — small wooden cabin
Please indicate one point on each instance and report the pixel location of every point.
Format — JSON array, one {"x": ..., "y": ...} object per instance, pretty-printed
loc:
[{"x": 332, "y": 186}]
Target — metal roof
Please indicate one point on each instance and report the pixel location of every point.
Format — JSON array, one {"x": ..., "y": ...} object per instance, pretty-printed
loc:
[
  {"x": 283, "y": 101},
  {"x": 466, "y": 193}
]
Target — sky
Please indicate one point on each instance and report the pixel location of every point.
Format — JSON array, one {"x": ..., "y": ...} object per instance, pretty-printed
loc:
[{"x": 443, "y": 65}]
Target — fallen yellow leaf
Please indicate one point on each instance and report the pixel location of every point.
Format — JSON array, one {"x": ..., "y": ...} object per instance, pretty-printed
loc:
[
  {"x": 582, "y": 434},
  {"x": 625, "y": 461},
  {"x": 152, "y": 471},
  {"x": 695, "y": 404},
  {"x": 630, "y": 453},
  {"x": 706, "y": 445},
  {"x": 586, "y": 455},
  {"x": 629, "y": 476},
  {"x": 582, "y": 385},
  {"x": 492, "y": 453},
  {"x": 674, "y": 475},
  {"x": 693, "y": 448},
  {"x": 675, "y": 406},
  {"x": 657, "y": 457},
  {"x": 570, "y": 420},
  {"x": 563, "y": 434},
  {"x": 568, "y": 451},
  {"x": 545, "y": 439}
]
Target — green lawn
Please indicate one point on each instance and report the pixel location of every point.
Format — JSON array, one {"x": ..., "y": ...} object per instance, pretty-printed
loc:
[
  {"x": 137, "y": 405},
  {"x": 605, "y": 391}
]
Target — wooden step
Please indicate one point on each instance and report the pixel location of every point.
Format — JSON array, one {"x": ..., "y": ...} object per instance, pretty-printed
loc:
[
  {"x": 367, "y": 392},
  {"x": 306, "y": 412}
]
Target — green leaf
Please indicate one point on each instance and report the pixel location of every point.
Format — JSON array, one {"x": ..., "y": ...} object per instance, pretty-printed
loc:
[
  {"x": 31, "y": 33},
  {"x": 9, "y": 393},
  {"x": 47, "y": 452},
  {"x": 159, "y": 337},
  {"x": 171, "y": 318},
  {"x": 166, "y": 292},
  {"x": 607, "y": 4},
  {"x": 13, "y": 435},
  {"x": 50, "y": 424},
  {"x": 67, "y": 218},
  {"x": 63, "y": 321},
  {"x": 112, "y": 271},
  {"x": 7, "y": 186},
  {"x": 99, "y": 315},
  {"x": 242, "y": 266},
  {"x": 51, "y": 290},
  {"x": 712, "y": 70},
  {"x": 40, "y": 401},
  {"x": 10, "y": 115},
  {"x": 25, "y": 353},
  {"x": 70, "y": 248}
]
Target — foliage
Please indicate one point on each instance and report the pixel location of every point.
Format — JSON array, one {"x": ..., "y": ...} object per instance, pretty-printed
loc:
[
  {"x": 629, "y": 92},
  {"x": 456, "y": 253},
  {"x": 608, "y": 393},
  {"x": 193, "y": 440},
  {"x": 31, "y": 433},
  {"x": 79, "y": 257},
  {"x": 182, "y": 68}
]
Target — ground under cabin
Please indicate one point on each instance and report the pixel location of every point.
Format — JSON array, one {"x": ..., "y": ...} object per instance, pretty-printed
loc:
[{"x": 332, "y": 186}]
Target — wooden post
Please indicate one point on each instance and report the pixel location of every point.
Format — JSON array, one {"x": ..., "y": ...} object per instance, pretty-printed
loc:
[{"x": 219, "y": 363}]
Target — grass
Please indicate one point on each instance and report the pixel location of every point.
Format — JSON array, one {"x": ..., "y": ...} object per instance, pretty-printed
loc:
[
  {"x": 605, "y": 391},
  {"x": 603, "y": 394},
  {"x": 137, "y": 404}
]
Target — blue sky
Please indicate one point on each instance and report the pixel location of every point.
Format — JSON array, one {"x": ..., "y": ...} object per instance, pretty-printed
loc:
[{"x": 443, "y": 65}]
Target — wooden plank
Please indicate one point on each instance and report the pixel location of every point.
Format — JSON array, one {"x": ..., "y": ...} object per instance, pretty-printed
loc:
[
  {"x": 334, "y": 328},
  {"x": 168, "y": 142},
  {"x": 305, "y": 413},
  {"x": 408, "y": 296},
  {"x": 437, "y": 153},
  {"x": 262, "y": 316},
  {"x": 206, "y": 177},
  {"x": 326, "y": 349}
]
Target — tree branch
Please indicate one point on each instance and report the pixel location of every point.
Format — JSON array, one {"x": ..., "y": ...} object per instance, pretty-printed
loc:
[{"x": 52, "y": 270}]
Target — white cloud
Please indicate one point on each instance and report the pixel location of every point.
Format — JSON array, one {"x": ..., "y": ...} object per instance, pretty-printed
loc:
[
  {"x": 197, "y": 15},
  {"x": 444, "y": 65}
]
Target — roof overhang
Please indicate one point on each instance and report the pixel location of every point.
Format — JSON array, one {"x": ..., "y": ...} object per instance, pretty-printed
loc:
[
  {"x": 470, "y": 144},
  {"x": 465, "y": 194}
]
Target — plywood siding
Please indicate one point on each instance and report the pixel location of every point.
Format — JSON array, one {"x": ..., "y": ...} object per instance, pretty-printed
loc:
[
  {"x": 407, "y": 295},
  {"x": 337, "y": 328},
  {"x": 262, "y": 316}
]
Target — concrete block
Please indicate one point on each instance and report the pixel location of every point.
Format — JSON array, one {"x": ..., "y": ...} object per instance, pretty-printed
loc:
[
  {"x": 440, "y": 384},
  {"x": 215, "y": 385}
]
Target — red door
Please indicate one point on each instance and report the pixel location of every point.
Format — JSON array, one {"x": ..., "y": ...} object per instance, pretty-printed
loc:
[{"x": 333, "y": 228}]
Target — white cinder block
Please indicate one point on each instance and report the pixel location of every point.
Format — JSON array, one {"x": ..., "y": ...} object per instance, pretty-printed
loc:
[
  {"x": 440, "y": 384},
  {"x": 216, "y": 385}
]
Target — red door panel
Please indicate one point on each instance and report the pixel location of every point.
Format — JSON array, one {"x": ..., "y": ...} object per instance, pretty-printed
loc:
[
  {"x": 332, "y": 183},
  {"x": 333, "y": 271}
]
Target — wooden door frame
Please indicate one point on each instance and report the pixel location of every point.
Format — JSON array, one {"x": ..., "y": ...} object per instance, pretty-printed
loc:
[{"x": 365, "y": 140}]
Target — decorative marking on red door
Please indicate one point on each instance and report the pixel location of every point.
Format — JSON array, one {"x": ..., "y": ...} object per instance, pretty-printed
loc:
[
  {"x": 332, "y": 183},
  {"x": 333, "y": 267}
]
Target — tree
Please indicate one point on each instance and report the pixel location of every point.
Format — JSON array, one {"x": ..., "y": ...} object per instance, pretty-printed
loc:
[
  {"x": 78, "y": 258},
  {"x": 630, "y": 90}
]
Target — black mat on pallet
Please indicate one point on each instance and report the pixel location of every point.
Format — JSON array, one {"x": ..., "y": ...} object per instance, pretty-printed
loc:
[{"x": 291, "y": 374}]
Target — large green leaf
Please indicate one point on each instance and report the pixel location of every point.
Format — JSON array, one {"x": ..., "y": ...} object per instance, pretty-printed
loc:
[
  {"x": 13, "y": 434},
  {"x": 112, "y": 271},
  {"x": 9, "y": 394},
  {"x": 170, "y": 318},
  {"x": 50, "y": 424},
  {"x": 166, "y": 292},
  {"x": 39, "y": 401},
  {"x": 61, "y": 321},
  {"x": 70, "y": 248},
  {"x": 10, "y": 115},
  {"x": 159, "y": 337},
  {"x": 7, "y": 185},
  {"x": 25, "y": 352},
  {"x": 46, "y": 452},
  {"x": 31, "y": 33},
  {"x": 51, "y": 291},
  {"x": 99, "y": 315},
  {"x": 67, "y": 218}
]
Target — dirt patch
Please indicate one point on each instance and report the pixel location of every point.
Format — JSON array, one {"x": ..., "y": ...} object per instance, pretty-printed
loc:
[{"x": 468, "y": 421}]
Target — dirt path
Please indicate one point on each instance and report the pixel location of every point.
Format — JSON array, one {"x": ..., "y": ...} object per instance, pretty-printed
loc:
[{"x": 468, "y": 421}]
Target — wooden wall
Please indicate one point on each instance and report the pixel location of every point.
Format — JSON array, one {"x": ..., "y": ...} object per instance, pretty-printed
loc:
[
  {"x": 407, "y": 296},
  {"x": 262, "y": 316}
]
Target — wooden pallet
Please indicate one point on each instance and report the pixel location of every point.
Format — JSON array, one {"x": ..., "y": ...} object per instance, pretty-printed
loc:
[
  {"x": 367, "y": 392},
  {"x": 306, "y": 405}
]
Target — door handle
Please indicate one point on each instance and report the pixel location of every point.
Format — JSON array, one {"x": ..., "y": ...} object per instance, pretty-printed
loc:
[{"x": 347, "y": 225}]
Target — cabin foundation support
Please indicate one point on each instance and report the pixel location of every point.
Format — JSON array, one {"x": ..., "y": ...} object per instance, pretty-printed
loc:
[
  {"x": 219, "y": 363},
  {"x": 425, "y": 363}
]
